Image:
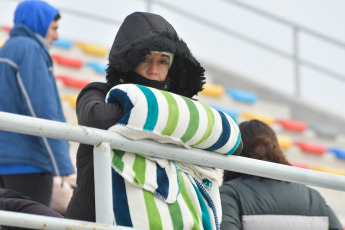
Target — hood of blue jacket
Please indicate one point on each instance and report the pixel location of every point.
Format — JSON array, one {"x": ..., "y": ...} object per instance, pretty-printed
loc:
[{"x": 35, "y": 14}]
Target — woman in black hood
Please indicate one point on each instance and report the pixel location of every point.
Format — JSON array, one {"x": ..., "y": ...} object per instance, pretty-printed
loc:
[{"x": 142, "y": 38}]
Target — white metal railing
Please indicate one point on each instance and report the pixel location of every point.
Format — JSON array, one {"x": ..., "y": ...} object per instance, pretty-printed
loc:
[{"x": 104, "y": 141}]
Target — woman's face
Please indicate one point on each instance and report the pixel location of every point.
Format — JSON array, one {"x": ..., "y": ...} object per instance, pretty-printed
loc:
[{"x": 155, "y": 66}]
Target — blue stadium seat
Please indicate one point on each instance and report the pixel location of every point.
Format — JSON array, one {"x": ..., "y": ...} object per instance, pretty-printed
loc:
[
  {"x": 229, "y": 111},
  {"x": 63, "y": 43},
  {"x": 243, "y": 96}
]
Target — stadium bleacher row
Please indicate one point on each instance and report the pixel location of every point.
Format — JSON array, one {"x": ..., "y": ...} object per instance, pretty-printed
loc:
[{"x": 313, "y": 147}]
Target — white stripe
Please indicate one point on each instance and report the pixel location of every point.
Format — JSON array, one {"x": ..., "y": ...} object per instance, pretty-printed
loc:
[
  {"x": 137, "y": 206},
  {"x": 216, "y": 131},
  {"x": 10, "y": 62},
  {"x": 21, "y": 85}
]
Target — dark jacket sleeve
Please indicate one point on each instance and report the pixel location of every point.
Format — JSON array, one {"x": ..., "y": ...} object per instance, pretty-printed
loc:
[
  {"x": 92, "y": 110},
  {"x": 230, "y": 208},
  {"x": 334, "y": 223}
]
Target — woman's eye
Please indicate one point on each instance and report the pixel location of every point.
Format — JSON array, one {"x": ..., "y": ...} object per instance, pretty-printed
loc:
[{"x": 164, "y": 62}]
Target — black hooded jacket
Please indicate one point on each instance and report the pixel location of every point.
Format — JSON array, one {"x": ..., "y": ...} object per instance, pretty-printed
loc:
[{"x": 139, "y": 34}]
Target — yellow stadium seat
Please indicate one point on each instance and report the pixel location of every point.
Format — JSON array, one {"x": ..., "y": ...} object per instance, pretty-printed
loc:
[
  {"x": 268, "y": 120},
  {"x": 71, "y": 99},
  {"x": 1, "y": 43},
  {"x": 213, "y": 90},
  {"x": 285, "y": 142},
  {"x": 92, "y": 49},
  {"x": 328, "y": 170}
]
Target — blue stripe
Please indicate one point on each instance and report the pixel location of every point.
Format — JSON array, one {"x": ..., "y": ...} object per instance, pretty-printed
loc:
[
  {"x": 120, "y": 202},
  {"x": 162, "y": 182},
  {"x": 117, "y": 95},
  {"x": 224, "y": 136},
  {"x": 209, "y": 202},
  {"x": 152, "y": 110},
  {"x": 206, "y": 220}
]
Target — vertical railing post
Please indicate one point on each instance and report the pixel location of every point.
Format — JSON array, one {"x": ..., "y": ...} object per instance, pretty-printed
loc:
[
  {"x": 149, "y": 5},
  {"x": 103, "y": 183},
  {"x": 296, "y": 61}
]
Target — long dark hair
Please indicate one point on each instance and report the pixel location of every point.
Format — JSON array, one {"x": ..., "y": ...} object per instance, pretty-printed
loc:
[{"x": 259, "y": 142}]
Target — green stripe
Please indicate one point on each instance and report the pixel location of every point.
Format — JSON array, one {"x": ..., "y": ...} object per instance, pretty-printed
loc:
[
  {"x": 193, "y": 120},
  {"x": 117, "y": 160},
  {"x": 155, "y": 221},
  {"x": 139, "y": 168},
  {"x": 189, "y": 202},
  {"x": 210, "y": 124},
  {"x": 173, "y": 114},
  {"x": 176, "y": 215}
]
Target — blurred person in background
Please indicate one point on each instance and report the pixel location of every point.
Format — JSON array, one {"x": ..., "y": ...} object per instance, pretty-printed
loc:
[
  {"x": 252, "y": 202},
  {"x": 27, "y": 86}
]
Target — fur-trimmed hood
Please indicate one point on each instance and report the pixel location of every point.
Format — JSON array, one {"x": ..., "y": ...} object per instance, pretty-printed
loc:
[{"x": 153, "y": 33}]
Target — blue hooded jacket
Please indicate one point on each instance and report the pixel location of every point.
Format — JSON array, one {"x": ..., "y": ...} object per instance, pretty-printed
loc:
[{"x": 28, "y": 87}]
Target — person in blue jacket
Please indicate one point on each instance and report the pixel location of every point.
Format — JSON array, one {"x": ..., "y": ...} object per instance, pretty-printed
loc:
[{"x": 27, "y": 86}]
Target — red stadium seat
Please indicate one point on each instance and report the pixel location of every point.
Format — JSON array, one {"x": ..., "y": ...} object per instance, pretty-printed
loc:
[
  {"x": 70, "y": 62},
  {"x": 6, "y": 28},
  {"x": 311, "y": 148},
  {"x": 72, "y": 82},
  {"x": 292, "y": 125}
]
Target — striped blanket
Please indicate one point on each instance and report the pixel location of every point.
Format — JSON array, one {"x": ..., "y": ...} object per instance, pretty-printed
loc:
[{"x": 155, "y": 193}]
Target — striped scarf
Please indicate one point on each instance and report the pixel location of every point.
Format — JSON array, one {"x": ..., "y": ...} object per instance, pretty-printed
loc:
[{"x": 155, "y": 193}]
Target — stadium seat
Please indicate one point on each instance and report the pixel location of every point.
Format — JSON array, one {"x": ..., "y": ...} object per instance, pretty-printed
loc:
[
  {"x": 324, "y": 131},
  {"x": 71, "y": 99},
  {"x": 66, "y": 61},
  {"x": 268, "y": 120},
  {"x": 2, "y": 43},
  {"x": 92, "y": 49},
  {"x": 98, "y": 67},
  {"x": 63, "y": 43},
  {"x": 299, "y": 165},
  {"x": 311, "y": 148},
  {"x": 231, "y": 112},
  {"x": 339, "y": 153},
  {"x": 328, "y": 170},
  {"x": 72, "y": 82},
  {"x": 242, "y": 95},
  {"x": 285, "y": 142},
  {"x": 6, "y": 28},
  {"x": 213, "y": 90},
  {"x": 292, "y": 125}
]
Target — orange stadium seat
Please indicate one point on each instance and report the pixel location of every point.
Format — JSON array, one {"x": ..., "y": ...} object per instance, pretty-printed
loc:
[
  {"x": 268, "y": 120},
  {"x": 328, "y": 170},
  {"x": 66, "y": 61},
  {"x": 71, "y": 99},
  {"x": 285, "y": 142},
  {"x": 92, "y": 49},
  {"x": 213, "y": 90}
]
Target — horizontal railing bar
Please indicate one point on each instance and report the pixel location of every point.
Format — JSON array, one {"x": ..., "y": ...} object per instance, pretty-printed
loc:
[
  {"x": 52, "y": 129},
  {"x": 33, "y": 221}
]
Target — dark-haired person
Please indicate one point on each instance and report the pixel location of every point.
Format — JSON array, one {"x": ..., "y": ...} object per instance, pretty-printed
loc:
[
  {"x": 146, "y": 51},
  {"x": 252, "y": 202},
  {"x": 27, "y": 86}
]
